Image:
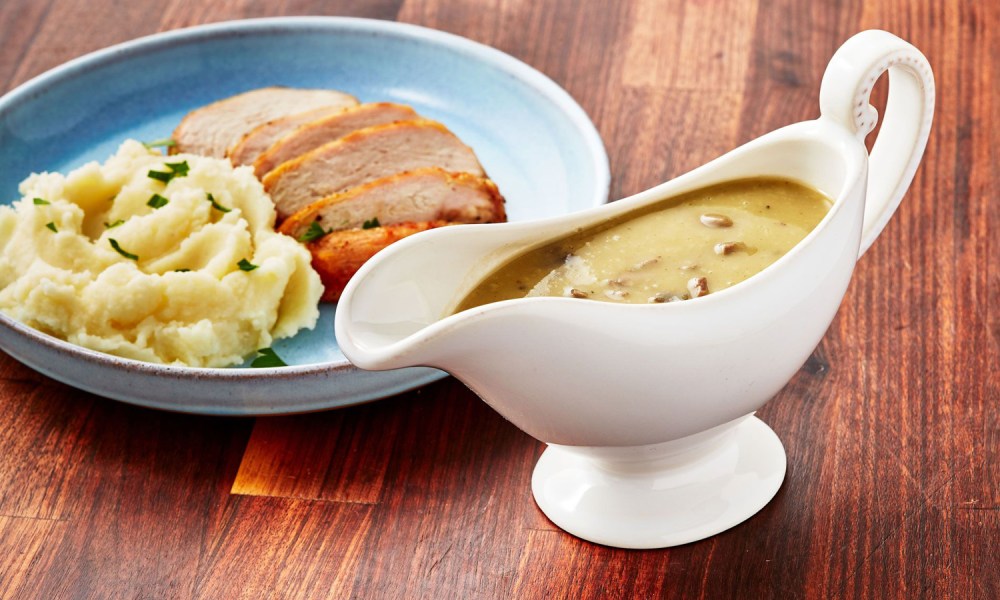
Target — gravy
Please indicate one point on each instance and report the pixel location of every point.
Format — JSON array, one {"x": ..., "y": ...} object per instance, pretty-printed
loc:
[{"x": 682, "y": 247}]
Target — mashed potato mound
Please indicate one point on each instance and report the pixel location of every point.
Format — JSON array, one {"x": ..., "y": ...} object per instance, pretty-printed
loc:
[{"x": 192, "y": 282}]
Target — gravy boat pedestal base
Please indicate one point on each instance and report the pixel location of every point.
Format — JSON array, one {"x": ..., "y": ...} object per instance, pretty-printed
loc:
[{"x": 663, "y": 494}]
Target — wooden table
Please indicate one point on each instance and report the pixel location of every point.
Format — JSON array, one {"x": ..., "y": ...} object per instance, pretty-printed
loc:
[{"x": 892, "y": 428}]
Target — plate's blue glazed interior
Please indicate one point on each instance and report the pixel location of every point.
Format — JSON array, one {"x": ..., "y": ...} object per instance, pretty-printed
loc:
[{"x": 544, "y": 162}]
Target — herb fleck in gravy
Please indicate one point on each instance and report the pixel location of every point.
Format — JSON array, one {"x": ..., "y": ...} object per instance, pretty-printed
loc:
[{"x": 682, "y": 247}]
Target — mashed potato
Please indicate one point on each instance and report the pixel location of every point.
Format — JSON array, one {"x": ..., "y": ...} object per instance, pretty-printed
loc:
[{"x": 195, "y": 279}]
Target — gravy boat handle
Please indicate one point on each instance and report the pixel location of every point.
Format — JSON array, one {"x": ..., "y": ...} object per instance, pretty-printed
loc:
[{"x": 843, "y": 98}]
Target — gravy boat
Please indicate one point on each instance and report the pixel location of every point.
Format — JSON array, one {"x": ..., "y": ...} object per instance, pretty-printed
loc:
[{"x": 647, "y": 410}]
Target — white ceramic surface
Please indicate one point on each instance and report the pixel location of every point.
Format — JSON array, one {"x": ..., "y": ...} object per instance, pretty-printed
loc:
[
  {"x": 531, "y": 136},
  {"x": 701, "y": 487},
  {"x": 645, "y": 405}
]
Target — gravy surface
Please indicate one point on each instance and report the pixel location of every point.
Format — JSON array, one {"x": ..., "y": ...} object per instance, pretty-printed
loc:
[{"x": 682, "y": 247}]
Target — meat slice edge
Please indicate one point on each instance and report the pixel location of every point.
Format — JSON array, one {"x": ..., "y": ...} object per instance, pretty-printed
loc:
[
  {"x": 311, "y": 135},
  {"x": 429, "y": 194},
  {"x": 364, "y": 156},
  {"x": 212, "y": 129},
  {"x": 256, "y": 141}
]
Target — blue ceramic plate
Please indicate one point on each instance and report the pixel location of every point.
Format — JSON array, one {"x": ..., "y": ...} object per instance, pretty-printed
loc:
[{"x": 532, "y": 138}]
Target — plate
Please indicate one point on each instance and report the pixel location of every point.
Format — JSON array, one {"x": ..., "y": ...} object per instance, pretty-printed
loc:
[{"x": 532, "y": 138}]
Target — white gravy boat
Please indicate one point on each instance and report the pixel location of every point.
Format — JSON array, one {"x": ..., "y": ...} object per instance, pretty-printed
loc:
[{"x": 648, "y": 409}]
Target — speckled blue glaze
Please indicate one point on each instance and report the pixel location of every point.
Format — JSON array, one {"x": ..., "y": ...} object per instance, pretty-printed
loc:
[{"x": 532, "y": 138}]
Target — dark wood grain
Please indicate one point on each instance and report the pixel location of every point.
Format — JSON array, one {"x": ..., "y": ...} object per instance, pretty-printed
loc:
[{"x": 892, "y": 428}]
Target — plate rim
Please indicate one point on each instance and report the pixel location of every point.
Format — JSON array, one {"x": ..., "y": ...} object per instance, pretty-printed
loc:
[{"x": 39, "y": 84}]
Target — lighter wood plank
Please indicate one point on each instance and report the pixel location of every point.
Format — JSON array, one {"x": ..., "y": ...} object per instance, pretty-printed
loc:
[
  {"x": 19, "y": 22},
  {"x": 712, "y": 60},
  {"x": 643, "y": 125},
  {"x": 653, "y": 44},
  {"x": 285, "y": 548},
  {"x": 676, "y": 45},
  {"x": 28, "y": 546},
  {"x": 54, "y": 43},
  {"x": 336, "y": 456}
]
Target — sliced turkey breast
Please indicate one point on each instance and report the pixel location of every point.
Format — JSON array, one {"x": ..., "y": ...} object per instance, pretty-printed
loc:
[
  {"x": 211, "y": 130},
  {"x": 429, "y": 194},
  {"x": 256, "y": 141},
  {"x": 338, "y": 256},
  {"x": 364, "y": 156},
  {"x": 314, "y": 134}
]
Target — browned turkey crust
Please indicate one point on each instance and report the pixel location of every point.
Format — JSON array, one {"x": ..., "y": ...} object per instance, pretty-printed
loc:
[
  {"x": 429, "y": 194},
  {"x": 364, "y": 156},
  {"x": 315, "y": 133},
  {"x": 256, "y": 141},
  {"x": 211, "y": 130},
  {"x": 338, "y": 256}
]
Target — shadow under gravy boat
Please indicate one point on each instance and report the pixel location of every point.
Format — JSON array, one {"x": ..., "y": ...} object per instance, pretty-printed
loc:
[{"x": 648, "y": 409}]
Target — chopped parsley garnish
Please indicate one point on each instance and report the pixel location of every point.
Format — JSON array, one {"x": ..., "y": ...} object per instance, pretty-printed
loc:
[
  {"x": 52, "y": 226},
  {"x": 267, "y": 358},
  {"x": 178, "y": 169},
  {"x": 113, "y": 225},
  {"x": 314, "y": 232},
  {"x": 217, "y": 206},
  {"x": 160, "y": 176},
  {"x": 118, "y": 249},
  {"x": 163, "y": 143},
  {"x": 371, "y": 223},
  {"x": 246, "y": 265},
  {"x": 157, "y": 201},
  {"x": 40, "y": 201}
]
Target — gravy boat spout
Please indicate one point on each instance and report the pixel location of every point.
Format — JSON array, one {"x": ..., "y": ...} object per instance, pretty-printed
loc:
[{"x": 647, "y": 409}]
